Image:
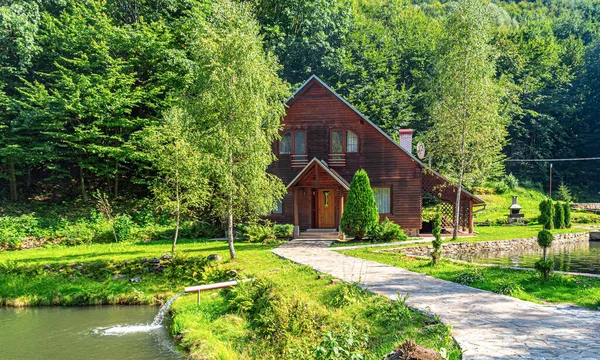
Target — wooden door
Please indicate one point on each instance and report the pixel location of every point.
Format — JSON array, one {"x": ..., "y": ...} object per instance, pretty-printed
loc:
[{"x": 326, "y": 208}]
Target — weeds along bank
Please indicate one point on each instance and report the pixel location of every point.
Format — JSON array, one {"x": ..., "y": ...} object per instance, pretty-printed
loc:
[{"x": 290, "y": 312}]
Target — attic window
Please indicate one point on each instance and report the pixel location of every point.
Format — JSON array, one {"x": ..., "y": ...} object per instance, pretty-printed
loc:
[{"x": 293, "y": 142}]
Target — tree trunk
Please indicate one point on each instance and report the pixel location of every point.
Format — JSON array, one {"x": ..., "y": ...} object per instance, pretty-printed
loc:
[
  {"x": 82, "y": 183},
  {"x": 545, "y": 254},
  {"x": 116, "y": 188},
  {"x": 28, "y": 178},
  {"x": 230, "y": 227},
  {"x": 178, "y": 200},
  {"x": 12, "y": 180}
]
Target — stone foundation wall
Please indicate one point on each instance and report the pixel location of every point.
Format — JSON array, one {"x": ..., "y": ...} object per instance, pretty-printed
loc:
[
  {"x": 411, "y": 232},
  {"x": 498, "y": 245}
]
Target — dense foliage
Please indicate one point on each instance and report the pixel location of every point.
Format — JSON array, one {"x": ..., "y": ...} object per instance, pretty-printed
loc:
[
  {"x": 387, "y": 231},
  {"x": 80, "y": 79},
  {"x": 360, "y": 215}
]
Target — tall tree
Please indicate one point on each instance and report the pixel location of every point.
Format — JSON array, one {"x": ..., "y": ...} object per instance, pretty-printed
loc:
[
  {"x": 182, "y": 186},
  {"x": 468, "y": 134},
  {"x": 235, "y": 104}
]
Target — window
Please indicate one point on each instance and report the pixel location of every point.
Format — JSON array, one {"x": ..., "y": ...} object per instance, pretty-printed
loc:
[
  {"x": 351, "y": 142},
  {"x": 299, "y": 142},
  {"x": 337, "y": 142},
  {"x": 279, "y": 209},
  {"x": 293, "y": 142},
  {"x": 383, "y": 199},
  {"x": 285, "y": 145}
]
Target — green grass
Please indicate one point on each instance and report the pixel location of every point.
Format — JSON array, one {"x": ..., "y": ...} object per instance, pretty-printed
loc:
[
  {"x": 361, "y": 242},
  {"x": 526, "y": 285},
  {"x": 497, "y": 205},
  {"x": 488, "y": 233},
  {"x": 301, "y": 307}
]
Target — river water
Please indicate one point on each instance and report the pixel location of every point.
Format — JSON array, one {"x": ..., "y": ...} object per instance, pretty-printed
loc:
[
  {"x": 581, "y": 257},
  {"x": 93, "y": 332}
]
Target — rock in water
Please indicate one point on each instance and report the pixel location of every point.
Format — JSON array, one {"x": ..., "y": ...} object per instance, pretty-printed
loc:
[
  {"x": 214, "y": 257},
  {"x": 409, "y": 350}
]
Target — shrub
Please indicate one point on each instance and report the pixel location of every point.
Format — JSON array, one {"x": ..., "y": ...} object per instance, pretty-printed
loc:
[
  {"x": 360, "y": 212},
  {"x": 387, "y": 231},
  {"x": 436, "y": 254},
  {"x": 283, "y": 231},
  {"x": 511, "y": 181},
  {"x": 559, "y": 216},
  {"x": 508, "y": 288},
  {"x": 536, "y": 185},
  {"x": 500, "y": 187},
  {"x": 546, "y": 217},
  {"x": 124, "y": 227},
  {"x": 545, "y": 268},
  {"x": 567, "y": 214},
  {"x": 259, "y": 233},
  {"x": 469, "y": 277}
]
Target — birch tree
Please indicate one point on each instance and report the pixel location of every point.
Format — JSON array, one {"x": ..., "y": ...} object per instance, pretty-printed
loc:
[
  {"x": 235, "y": 103},
  {"x": 468, "y": 133},
  {"x": 182, "y": 186}
]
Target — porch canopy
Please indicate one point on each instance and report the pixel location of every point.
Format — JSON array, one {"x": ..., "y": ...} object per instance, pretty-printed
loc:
[{"x": 310, "y": 210}]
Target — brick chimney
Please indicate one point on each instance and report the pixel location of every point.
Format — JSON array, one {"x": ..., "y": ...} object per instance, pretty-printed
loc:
[{"x": 406, "y": 139}]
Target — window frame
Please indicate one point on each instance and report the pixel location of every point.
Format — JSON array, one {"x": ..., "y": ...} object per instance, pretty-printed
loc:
[
  {"x": 277, "y": 212},
  {"x": 343, "y": 141},
  {"x": 391, "y": 212},
  {"x": 293, "y": 142},
  {"x": 346, "y": 142}
]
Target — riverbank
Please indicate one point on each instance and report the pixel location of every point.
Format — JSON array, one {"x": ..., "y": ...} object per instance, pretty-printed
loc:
[
  {"x": 290, "y": 312},
  {"x": 524, "y": 285}
]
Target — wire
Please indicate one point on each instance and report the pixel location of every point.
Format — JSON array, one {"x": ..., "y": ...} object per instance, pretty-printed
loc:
[{"x": 551, "y": 160}]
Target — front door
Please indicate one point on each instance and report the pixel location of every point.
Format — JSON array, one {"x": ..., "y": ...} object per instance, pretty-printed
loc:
[{"x": 325, "y": 208}]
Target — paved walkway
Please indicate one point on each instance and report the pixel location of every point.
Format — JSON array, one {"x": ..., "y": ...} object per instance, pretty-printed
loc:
[{"x": 485, "y": 324}]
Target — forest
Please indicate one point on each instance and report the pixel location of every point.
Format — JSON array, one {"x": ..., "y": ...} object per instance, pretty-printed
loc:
[{"x": 81, "y": 82}]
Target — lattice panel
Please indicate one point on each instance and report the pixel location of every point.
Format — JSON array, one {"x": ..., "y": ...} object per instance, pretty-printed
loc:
[{"x": 447, "y": 215}]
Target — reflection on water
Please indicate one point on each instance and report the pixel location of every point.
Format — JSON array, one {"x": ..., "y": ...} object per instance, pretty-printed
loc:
[
  {"x": 583, "y": 257},
  {"x": 65, "y": 333}
]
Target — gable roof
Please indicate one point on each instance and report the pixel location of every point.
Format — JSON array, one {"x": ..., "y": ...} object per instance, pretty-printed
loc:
[
  {"x": 315, "y": 162},
  {"x": 314, "y": 77}
]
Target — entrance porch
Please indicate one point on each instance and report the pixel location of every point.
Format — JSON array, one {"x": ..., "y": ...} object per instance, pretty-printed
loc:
[{"x": 318, "y": 197}]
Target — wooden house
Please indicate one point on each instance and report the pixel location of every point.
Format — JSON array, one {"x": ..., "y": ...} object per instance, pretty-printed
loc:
[{"x": 325, "y": 140}]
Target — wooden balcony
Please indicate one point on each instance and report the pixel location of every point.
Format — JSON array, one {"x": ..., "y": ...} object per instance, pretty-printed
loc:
[
  {"x": 338, "y": 160},
  {"x": 299, "y": 161}
]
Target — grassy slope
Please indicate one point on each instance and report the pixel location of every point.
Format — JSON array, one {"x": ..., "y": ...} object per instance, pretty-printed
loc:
[
  {"x": 529, "y": 199},
  {"x": 578, "y": 290},
  {"x": 212, "y": 330}
]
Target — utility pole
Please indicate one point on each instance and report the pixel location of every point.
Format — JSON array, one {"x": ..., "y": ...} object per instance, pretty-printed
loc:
[{"x": 550, "y": 181}]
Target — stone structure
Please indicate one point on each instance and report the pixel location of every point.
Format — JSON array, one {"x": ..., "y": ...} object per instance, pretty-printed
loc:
[{"x": 484, "y": 246}]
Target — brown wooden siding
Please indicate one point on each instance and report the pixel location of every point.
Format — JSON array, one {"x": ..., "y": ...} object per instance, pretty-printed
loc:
[{"x": 318, "y": 111}]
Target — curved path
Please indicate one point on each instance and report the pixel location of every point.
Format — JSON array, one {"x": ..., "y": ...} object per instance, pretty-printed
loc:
[{"x": 485, "y": 324}]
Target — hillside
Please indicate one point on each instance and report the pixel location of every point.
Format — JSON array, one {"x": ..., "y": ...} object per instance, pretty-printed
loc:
[{"x": 497, "y": 207}]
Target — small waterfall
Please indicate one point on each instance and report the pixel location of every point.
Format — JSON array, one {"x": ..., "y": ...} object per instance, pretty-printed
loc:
[
  {"x": 162, "y": 312},
  {"x": 156, "y": 324}
]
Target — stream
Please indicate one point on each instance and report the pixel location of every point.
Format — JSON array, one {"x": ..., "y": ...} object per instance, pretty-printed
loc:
[{"x": 93, "y": 332}]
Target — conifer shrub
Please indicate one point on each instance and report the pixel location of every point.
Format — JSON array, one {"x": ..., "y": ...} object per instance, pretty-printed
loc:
[
  {"x": 436, "y": 254},
  {"x": 546, "y": 217},
  {"x": 544, "y": 266},
  {"x": 360, "y": 211},
  {"x": 559, "y": 216},
  {"x": 567, "y": 214}
]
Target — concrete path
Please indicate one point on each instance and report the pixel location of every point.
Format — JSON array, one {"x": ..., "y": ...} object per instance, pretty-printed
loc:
[{"x": 485, "y": 324}]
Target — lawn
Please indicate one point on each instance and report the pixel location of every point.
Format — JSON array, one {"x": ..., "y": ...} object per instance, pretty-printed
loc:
[
  {"x": 525, "y": 285},
  {"x": 287, "y": 313}
]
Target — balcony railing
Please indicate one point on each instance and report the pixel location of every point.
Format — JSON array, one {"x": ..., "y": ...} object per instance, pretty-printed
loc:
[
  {"x": 299, "y": 161},
  {"x": 337, "y": 160}
]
